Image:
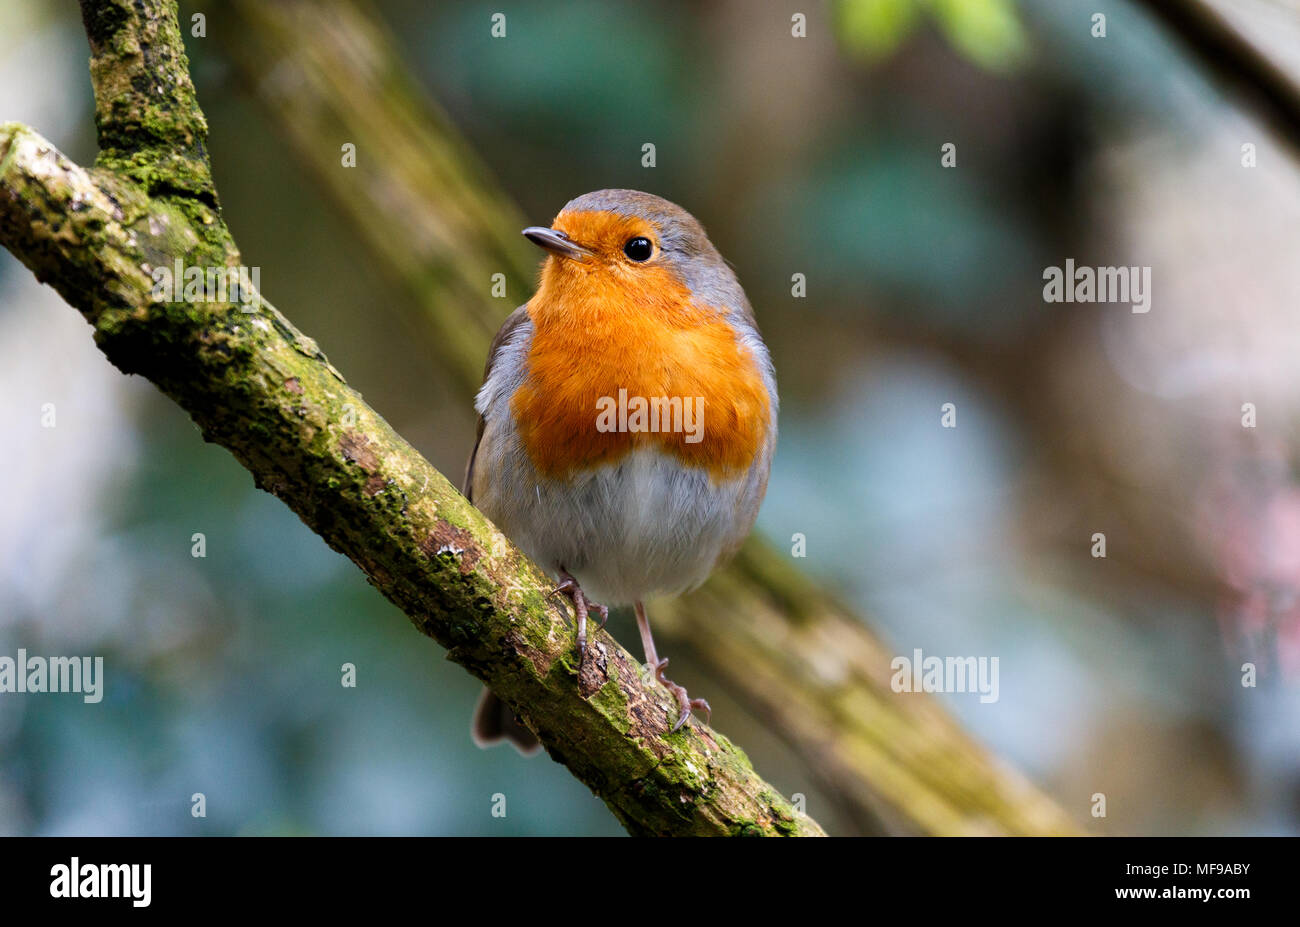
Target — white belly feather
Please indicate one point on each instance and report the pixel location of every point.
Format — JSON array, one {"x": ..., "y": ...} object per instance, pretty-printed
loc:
[{"x": 643, "y": 527}]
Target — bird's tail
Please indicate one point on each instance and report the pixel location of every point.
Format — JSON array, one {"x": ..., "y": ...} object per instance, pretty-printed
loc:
[{"x": 494, "y": 721}]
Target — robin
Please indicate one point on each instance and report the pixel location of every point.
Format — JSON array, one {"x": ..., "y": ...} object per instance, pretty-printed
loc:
[{"x": 626, "y": 421}]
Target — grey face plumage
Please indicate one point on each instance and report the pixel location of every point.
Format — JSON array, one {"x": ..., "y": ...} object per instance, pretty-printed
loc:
[
  {"x": 680, "y": 233},
  {"x": 685, "y": 245}
]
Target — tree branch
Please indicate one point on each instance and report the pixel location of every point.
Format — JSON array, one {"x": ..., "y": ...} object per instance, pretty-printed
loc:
[
  {"x": 263, "y": 390},
  {"x": 793, "y": 652},
  {"x": 150, "y": 127}
]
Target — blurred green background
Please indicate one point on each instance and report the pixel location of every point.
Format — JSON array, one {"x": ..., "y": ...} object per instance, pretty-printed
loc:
[{"x": 816, "y": 155}]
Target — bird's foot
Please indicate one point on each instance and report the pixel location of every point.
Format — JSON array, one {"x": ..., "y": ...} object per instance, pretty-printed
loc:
[
  {"x": 685, "y": 704},
  {"x": 582, "y": 606}
]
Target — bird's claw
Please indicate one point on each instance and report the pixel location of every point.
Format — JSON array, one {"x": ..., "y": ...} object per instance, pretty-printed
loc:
[
  {"x": 565, "y": 588},
  {"x": 569, "y": 587},
  {"x": 685, "y": 704}
]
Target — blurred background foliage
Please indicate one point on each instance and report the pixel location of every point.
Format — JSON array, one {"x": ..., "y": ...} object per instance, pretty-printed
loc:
[
  {"x": 816, "y": 155},
  {"x": 988, "y": 32}
]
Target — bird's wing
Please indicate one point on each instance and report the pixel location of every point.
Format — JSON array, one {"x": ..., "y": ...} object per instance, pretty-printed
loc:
[{"x": 513, "y": 321}]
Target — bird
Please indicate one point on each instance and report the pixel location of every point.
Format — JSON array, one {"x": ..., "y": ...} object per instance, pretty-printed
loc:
[{"x": 627, "y": 420}]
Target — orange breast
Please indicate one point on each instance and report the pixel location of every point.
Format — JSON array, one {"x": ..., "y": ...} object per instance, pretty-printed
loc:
[{"x": 596, "y": 333}]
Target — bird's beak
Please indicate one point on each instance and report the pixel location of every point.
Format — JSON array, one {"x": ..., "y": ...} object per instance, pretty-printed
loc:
[{"x": 556, "y": 242}]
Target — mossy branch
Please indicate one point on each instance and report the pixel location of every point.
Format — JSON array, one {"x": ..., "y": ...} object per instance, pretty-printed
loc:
[{"x": 260, "y": 388}]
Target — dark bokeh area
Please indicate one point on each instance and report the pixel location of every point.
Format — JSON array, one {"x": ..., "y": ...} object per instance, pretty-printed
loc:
[{"x": 820, "y": 156}]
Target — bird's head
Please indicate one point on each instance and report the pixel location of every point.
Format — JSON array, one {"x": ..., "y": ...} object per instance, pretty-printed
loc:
[{"x": 623, "y": 250}]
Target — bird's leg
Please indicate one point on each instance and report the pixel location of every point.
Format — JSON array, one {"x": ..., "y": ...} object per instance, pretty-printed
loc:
[
  {"x": 685, "y": 704},
  {"x": 581, "y": 605}
]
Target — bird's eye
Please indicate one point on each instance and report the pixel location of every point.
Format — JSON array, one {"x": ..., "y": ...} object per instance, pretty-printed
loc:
[{"x": 639, "y": 249}]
